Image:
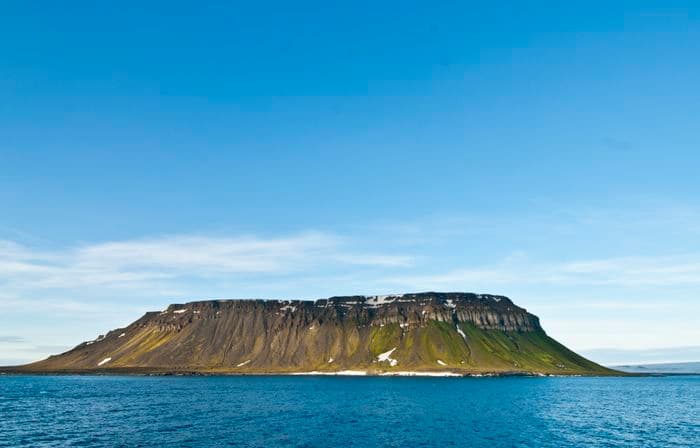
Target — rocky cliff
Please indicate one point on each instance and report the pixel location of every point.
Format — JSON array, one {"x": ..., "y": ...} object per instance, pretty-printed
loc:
[{"x": 427, "y": 332}]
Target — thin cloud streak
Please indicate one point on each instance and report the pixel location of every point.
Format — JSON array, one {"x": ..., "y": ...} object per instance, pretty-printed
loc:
[
  {"x": 662, "y": 271},
  {"x": 138, "y": 263}
]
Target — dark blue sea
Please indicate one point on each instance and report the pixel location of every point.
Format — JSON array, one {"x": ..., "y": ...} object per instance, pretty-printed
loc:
[{"x": 279, "y": 411}]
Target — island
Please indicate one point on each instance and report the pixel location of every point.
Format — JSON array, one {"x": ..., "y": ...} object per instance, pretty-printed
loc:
[{"x": 430, "y": 333}]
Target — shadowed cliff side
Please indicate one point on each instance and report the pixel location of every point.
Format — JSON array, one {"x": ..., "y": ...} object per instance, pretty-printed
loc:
[{"x": 425, "y": 332}]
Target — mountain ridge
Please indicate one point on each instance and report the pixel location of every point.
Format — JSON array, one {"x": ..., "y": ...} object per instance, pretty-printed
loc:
[{"x": 430, "y": 333}]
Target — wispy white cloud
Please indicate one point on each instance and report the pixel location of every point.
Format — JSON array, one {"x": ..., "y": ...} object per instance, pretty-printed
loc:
[
  {"x": 376, "y": 260},
  {"x": 636, "y": 271},
  {"x": 135, "y": 263},
  {"x": 62, "y": 306},
  {"x": 616, "y": 356},
  {"x": 660, "y": 271},
  {"x": 11, "y": 339},
  {"x": 208, "y": 254},
  {"x": 18, "y": 350}
]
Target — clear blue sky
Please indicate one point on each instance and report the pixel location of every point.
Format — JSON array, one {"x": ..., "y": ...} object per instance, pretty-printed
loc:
[{"x": 179, "y": 151}]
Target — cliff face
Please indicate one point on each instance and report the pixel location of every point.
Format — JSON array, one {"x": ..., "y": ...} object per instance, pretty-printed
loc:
[{"x": 457, "y": 332}]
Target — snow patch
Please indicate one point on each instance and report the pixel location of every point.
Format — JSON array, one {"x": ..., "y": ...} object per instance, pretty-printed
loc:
[
  {"x": 459, "y": 330},
  {"x": 122, "y": 335},
  {"x": 386, "y": 356},
  {"x": 243, "y": 363},
  {"x": 104, "y": 361},
  {"x": 441, "y": 362},
  {"x": 400, "y": 373},
  {"x": 338, "y": 373},
  {"x": 330, "y": 360},
  {"x": 411, "y": 373},
  {"x": 179, "y": 311},
  {"x": 291, "y": 308},
  {"x": 376, "y": 301},
  {"x": 449, "y": 303}
]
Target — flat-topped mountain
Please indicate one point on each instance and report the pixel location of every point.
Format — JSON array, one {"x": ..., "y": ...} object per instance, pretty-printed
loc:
[{"x": 427, "y": 332}]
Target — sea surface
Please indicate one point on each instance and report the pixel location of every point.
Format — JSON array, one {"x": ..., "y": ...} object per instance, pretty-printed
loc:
[{"x": 281, "y": 411}]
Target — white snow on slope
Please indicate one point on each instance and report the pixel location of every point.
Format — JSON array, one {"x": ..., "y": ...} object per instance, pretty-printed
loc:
[
  {"x": 410, "y": 373},
  {"x": 402, "y": 373},
  {"x": 386, "y": 356},
  {"x": 459, "y": 330},
  {"x": 376, "y": 301},
  {"x": 104, "y": 361}
]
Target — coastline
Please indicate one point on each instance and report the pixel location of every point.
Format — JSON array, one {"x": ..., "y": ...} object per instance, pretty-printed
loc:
[{"x": 343, "y": 373}]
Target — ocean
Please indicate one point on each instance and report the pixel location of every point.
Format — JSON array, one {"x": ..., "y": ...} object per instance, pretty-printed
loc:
[{"x": 282, "y": 411}]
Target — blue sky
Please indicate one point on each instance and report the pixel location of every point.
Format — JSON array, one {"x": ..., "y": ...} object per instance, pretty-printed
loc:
[{"x": 181, "y": 151}]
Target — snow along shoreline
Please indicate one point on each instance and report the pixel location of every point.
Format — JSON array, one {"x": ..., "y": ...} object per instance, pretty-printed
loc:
[{"x": 398, "y": 373}]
